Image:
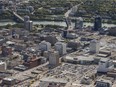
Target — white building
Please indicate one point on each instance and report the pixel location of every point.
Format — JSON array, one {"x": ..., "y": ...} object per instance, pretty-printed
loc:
[
  {"x": 61, "y": 48},
  {"x": 29, "y": 25},
  {"x": 104, "y": 65},
  {"x": 94, "y": 46},
  {"x": 44, "y": 46},
  {"x": 53, "y": 58},
  {"x": 3, "y": 66}
]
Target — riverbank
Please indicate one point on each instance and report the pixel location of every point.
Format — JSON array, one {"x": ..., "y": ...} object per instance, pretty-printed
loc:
[
  {"x": 59, "y": 23},
  {"x": 60, "y": 18},
  {"x": 63, "y": 19},
  {"x": 6, "y": 20}
]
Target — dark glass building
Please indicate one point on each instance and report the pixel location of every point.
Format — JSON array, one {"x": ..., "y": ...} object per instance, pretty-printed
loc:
[
  {"x": 79, "y": 23},
  {"x": 97, "y": 23}
]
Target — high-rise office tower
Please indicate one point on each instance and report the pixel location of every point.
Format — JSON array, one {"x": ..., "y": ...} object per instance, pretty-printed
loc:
[
  {"x": 45, "y": 46},
  {"x": 53, "y": 58},
  {"x": 61, "y": 48},
  {"x": 97, "y": 23}
]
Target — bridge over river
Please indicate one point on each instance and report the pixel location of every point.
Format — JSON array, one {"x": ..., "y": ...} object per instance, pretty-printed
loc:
[{"x": 18, "y": 16}]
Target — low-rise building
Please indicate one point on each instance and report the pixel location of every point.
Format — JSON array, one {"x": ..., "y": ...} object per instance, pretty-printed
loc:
[
  {"x": 103, "y": 83},
  {"x": 52, "y": 82},
  {"x": 79, "y": 59},
  {"x": 8, "y": 81},
  {"x": 104, "y": 65},
  {"x": 3, "y": 66}
]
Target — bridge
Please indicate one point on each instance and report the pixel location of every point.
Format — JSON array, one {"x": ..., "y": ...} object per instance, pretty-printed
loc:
[
  {"x": 13, "y": 10},
  {"x": 18, "y": 16},
  {"x": 67, "y": 15}
]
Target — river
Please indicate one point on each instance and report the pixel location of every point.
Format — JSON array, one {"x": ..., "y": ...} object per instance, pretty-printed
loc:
[{"x": 3, "y": 23}]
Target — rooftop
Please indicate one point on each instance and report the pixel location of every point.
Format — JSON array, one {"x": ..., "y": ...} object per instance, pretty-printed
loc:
[{"x": 56, "y": 80}]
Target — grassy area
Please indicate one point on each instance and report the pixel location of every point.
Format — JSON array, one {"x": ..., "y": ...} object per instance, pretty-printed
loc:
[
  {"x": 42, "y": 9},
  {"x": 105, "y": 8}
]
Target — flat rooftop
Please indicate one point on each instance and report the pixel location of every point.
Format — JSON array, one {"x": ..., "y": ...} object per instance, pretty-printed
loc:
[
  {"x": 56, "y": 80},
  {"x": 86, "y": 58}
]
